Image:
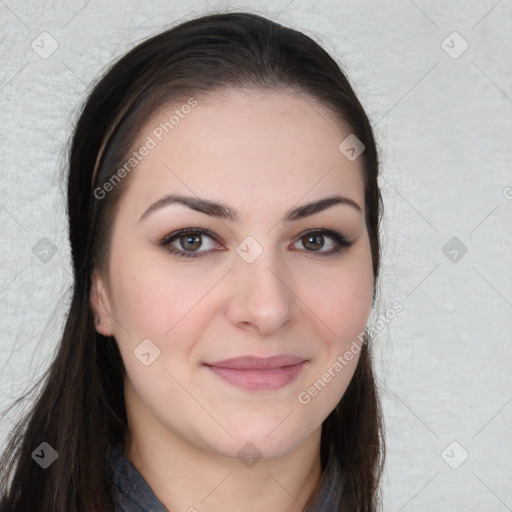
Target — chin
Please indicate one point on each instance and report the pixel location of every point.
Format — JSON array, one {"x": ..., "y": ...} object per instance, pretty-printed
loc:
[
  {"x": 266, "y": 440},
  {"x": 250, "y": 450}
]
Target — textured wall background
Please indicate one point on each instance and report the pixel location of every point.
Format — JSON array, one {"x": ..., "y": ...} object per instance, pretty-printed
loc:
[{"x": 435, "y": 78}]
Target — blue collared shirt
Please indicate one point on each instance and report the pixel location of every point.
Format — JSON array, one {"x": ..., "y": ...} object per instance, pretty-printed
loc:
[{"x": 135, "y": 495}]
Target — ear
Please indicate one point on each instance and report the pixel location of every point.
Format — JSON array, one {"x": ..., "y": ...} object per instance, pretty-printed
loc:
[{"x": 100, "y": 305}]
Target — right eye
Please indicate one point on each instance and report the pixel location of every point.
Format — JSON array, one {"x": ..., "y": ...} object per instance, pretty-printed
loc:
[{"x": 190, "y": 240}]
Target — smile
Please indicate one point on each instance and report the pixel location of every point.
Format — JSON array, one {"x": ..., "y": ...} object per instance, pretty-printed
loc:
[{"x": 259, "y": 374}]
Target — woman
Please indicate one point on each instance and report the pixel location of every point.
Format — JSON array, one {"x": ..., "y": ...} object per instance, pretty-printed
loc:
[{"x": 224, "y": 226}]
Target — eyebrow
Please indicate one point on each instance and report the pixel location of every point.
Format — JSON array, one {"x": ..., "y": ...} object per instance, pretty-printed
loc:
[{"x": 223, "y": 211}]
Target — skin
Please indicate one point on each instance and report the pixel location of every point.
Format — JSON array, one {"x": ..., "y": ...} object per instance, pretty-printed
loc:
[{"x": 261, "y": 153}]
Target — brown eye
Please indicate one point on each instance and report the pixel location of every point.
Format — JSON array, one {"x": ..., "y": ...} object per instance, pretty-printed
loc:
[
  {"x": 187, "y": 242},
  {"x": 190, "y": 242},
  {"x": 314, "y": 241}
]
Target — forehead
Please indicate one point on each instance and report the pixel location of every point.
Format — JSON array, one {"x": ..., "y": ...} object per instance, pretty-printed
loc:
[{"x": 240, "y": 144}]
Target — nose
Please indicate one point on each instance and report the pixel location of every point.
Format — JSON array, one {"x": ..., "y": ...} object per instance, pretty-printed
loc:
[{"x": 262, "y": 299}]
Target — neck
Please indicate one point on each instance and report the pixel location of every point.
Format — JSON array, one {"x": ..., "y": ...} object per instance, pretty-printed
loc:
[{"x": 186, "y": 478}]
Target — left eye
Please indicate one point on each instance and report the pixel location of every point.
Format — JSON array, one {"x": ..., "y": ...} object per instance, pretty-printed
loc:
[{"x": 314, "y": 241}]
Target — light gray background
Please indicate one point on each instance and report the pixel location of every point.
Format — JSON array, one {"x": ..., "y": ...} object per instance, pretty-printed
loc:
[{"x": 444, "y": 129}]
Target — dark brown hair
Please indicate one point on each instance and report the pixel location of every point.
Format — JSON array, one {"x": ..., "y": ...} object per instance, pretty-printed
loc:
[{"x": 80, "y": 409}]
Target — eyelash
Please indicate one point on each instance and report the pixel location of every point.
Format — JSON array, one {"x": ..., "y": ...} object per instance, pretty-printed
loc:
[{"x": 341, "y": 242}]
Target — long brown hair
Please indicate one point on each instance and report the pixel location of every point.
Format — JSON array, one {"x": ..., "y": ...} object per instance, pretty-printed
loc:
[{"x": 80, "y": 409}]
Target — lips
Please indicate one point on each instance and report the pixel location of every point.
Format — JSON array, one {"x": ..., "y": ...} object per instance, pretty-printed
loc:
[
  {"x": 258, "y": 363},
  {"x": 255, "y": 373}
]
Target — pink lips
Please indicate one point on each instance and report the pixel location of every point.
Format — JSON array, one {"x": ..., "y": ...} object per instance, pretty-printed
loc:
[{"x": 257, "y": 373}]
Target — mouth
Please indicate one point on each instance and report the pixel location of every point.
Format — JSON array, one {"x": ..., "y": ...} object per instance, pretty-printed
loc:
[{"x": 255, "y": 373}]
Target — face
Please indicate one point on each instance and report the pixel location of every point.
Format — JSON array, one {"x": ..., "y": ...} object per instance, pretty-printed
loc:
[{"x": 189, "y": 290}]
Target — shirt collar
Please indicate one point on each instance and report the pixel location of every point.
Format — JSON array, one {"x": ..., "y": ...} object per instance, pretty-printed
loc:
[{"x": 133, "y": 492}]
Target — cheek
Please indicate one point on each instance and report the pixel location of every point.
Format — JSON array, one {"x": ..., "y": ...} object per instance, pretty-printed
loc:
[
  {"x": 151, "y": 298},
  {"x": 343, "y": 321},
  {"x": 344, "y": 300}
]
